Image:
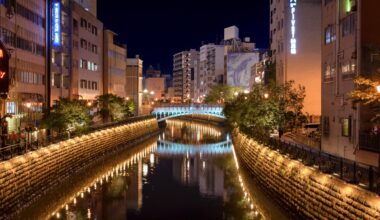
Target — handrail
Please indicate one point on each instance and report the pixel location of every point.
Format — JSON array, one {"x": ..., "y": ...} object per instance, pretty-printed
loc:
[
  {"x": 366, "y": 176},
  {"x": 25, "y": 146}
]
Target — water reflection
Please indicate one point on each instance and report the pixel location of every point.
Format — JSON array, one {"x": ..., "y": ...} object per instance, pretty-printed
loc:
[
  {"x": 163, "y": 179},
  {"x": 188, "y": 132}
]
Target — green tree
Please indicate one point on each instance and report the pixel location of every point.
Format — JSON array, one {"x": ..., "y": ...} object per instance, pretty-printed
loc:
[
  {"x": 222, "y": 93},
  {"x": 267, "y": 108},
  {"x": 67, "y": 115},
  {"x": 114, "y": 108},
  {"x": 367, "y": 94}
]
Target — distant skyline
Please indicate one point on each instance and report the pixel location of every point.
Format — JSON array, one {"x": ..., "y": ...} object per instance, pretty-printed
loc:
[{"x": 158, "y": 29}]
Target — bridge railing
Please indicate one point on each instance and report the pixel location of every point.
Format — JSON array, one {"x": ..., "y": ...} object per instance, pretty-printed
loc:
[{"x": 196, "y": 105}]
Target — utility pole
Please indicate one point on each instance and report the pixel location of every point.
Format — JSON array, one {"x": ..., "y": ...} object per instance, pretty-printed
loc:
[{"x": 48, "y": 38}]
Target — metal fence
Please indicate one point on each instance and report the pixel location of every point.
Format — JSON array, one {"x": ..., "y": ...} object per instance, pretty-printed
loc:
[
  {"x": 25, "y": 146},
  {"x": 363, "y": 175}
]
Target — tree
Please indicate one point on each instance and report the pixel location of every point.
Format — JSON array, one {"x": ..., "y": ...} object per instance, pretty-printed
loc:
[
  {"x": 267, "y": 108},
  {"x": 67, "y": 115},
  {"x": 367, "y": 94},
  {"x": 114, "y": 108},
  {"x": 220, "y": 93}
]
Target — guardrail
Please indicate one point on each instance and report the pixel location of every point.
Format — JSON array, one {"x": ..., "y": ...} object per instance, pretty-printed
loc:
[
  {"x": 369, "y": 142},
  {"x": 365, "y": 176},
  {"x": 25, "y": 146}
]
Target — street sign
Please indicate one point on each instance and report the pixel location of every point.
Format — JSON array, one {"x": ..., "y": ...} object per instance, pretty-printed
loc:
[{"x": 4, "y": 71}]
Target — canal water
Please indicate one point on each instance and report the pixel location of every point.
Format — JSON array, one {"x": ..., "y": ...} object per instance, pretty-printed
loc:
[{"x": 189, "y": 171}]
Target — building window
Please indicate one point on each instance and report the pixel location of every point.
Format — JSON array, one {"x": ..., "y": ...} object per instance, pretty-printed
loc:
[
  {"x": 329, "y": 34},
  {"x": 11, "y": 107},
  {"x": 83, "y": 44},
  {"x": 29, "y": 15},
  {"x": 83, "y": 23},
  {"x": 83, "y": 84},
  {"x": 346, "y": 127},
  {"x": 94, "y": 85},
  {"x": 326, "y": 125},
  {"x": 349, "y": 25}
]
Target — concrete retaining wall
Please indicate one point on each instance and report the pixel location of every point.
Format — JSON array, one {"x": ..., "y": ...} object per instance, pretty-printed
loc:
[
  {"x": 315, "y": 195},
  {"x": 27, "y": 176}
]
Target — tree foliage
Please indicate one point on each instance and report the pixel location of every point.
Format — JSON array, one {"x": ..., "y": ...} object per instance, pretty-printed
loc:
[
  {"x": 367, "y": 94},
  {"x": 114, "y": 108},
  {"x": 67, "y": 115},
  {"x": 265, "y": 109},
  {"x": 221, "y": 93}
]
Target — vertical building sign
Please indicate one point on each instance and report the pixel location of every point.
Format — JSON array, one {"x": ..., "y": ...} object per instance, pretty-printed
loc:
[
  {"x": 56, "y": 19},
  {"x": 293, "y": 40},
  {"x": 4, "y": 72}
]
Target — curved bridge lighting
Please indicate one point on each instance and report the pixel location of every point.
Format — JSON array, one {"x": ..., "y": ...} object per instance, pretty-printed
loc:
[
  {"x": 170, "y": 148},
  {"x": 171, "y": 111}
]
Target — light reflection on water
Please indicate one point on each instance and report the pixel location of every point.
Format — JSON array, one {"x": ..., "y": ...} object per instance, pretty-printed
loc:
[{"x": 167, "y": 180}]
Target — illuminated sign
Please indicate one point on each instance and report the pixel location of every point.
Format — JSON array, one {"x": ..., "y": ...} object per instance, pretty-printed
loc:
[
  {"x": 56, "y": 17},
  {"x": 4, "y": 71},
  {"x": 293, "y": 40}
]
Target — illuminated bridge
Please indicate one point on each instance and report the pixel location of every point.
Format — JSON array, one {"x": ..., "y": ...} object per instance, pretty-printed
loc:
[
  {"x": 171, "y": 111},
  {"x": 170, "y": 148}
]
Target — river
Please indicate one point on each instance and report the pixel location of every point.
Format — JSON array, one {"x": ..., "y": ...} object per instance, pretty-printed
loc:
[{"x": 189, "y": 171}]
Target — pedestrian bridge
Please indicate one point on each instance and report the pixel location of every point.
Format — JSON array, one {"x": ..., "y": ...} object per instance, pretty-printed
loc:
[
  {"x": 164, "y": 112},
  {"x": 171, "y": 148}
]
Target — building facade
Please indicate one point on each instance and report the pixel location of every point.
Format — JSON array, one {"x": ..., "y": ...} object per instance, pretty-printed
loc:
[
  {"x": 351, "y": 47},
  {"x": 22, "y": 31},
  {"x": 134, "y": 82},
  {"x": 295, "y": 41},
  {"x": 87, "y": 54},
  {"x": 156, "y": 86},
  {"x": 211, "y": 69},
  {"x": 115, "y": 64},
  {"x": 185, "y": 71}
]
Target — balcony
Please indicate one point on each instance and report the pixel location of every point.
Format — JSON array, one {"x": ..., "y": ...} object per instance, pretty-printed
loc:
[{"x": 369, "y": 142}]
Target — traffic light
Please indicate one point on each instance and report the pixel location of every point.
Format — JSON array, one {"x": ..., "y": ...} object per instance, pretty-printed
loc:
[{"x": 4, "y": 71}]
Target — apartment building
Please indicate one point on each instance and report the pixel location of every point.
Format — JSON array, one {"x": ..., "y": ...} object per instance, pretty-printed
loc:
[
  {"x": 87, "y": 55},
  {"x": 185, "y": 72},
  {"x": 295, "y": 42},
  {"x": 211, "y": 69},
  {"x": 350, "y": 47},
  {"x": 115, "y": 64},
  {"x": 22, "y": 31},
  {"x": 134, "y": 82}
]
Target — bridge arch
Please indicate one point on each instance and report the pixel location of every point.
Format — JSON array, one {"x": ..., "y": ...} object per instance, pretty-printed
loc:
[{"x": 171, "y": 111}]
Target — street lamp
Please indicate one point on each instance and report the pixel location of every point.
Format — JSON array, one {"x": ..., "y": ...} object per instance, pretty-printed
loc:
[
  {"x": 266, "y": 95},
  {"x": 378, "y": 88},
  {"x": 236, "y": 93},
  {"x": 246, "y": 91}
]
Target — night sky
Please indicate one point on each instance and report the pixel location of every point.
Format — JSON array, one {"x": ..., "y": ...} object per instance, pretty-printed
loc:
[{"x": 157, "y": 29}]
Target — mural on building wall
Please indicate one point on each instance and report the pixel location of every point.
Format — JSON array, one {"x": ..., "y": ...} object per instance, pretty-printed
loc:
[{"x": 239, "y": 66}]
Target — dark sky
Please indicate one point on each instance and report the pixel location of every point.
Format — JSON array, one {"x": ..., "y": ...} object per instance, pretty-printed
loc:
[{"x": 156, "y": 29}]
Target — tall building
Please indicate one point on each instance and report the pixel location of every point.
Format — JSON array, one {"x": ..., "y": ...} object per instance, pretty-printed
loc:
[
  {"x": 115, "y": 64},
  {"x": 22, "y": 31},
  {"x": 295, "y": 38},
  {"x": 185, "y": 71},
  {"x": 87, "y": 53},
  {"x": 211, "y": 69},
  {"x": 134, "y": 84},
  {"x": 350, "y": 47}
]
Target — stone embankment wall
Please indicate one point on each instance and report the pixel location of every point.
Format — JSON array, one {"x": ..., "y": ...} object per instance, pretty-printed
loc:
[
  {"x": 304, "y": 189},
  {"x": 25, "y": 177}
]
